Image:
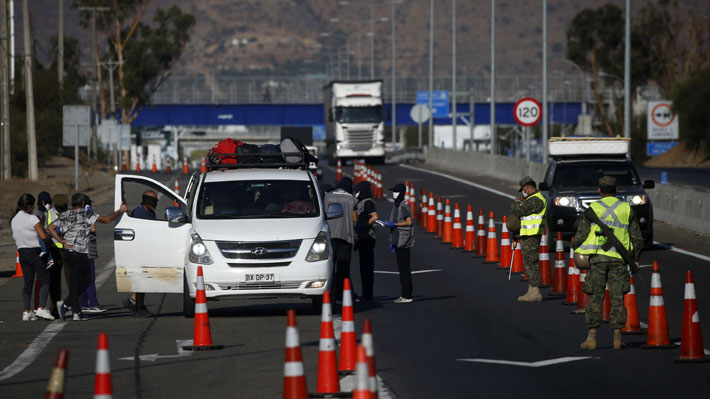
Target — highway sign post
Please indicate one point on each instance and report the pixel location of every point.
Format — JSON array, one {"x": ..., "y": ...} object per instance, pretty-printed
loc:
[
  {"x": 420, "y": 113},
  {"x": 662, "y": 123},
  {"x": 77, "y": 121},
  {"x": 527, "y": 112}
]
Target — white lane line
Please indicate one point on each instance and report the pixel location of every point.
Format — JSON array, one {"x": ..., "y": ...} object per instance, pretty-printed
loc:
[
  {"x": 33, "y": 351},
  {"x": 413, "y": 272},
  {"x": 682, "y": 251},
  {"x": 541, "y": 363},
  {"x": 466, "y": 182},
  {"x": 642, "y": 266}
]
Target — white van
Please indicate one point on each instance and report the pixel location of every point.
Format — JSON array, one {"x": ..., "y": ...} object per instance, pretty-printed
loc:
[{"x": 258, "y": 231}]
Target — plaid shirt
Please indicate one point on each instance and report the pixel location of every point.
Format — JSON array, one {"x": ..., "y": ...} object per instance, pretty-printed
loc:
[{"x": 75, "y": 225}]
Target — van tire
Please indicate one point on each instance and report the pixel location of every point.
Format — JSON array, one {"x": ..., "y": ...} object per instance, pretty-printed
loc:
[{"x": 188, "y": 304}]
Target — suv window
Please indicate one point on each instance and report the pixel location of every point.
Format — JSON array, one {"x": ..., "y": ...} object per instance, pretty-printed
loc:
[
  {"x": 255, "y": 199},
  {"x": 589, "y": 174}
]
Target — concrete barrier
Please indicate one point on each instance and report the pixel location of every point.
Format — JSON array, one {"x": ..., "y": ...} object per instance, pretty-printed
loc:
[{"x": 679, "y": 206}]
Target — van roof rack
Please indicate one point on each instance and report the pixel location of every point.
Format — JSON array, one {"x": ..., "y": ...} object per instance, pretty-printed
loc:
[{"x": 265, "y": 160}]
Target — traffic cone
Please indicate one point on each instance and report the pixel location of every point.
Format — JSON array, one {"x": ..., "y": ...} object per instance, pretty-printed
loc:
[
  {"x": 431, "y": 217},
  {"x": 339, "y": 173},
  {"x": 177, "y": 191},
  {"x": 18, "y": 268},
  {"x": 480, "y": 235},
  {"x": 185, "y": 166},
  {"x": 168, "y": 170},
  {"x": 448, "y": 234},
  {"x": 406, "y": 194},
  {"x": 544, "y": 262},
  {"x": 362, "y": 375},
  {"x": 348, "y": 342},
  {"x": 328, "y": 381},
  {"x": 633, "y": 324},
  {"x": 559, "y": 282},
  {"x": 424, "y": 214},
  {"x": 691, "y": 341},
  {"x": 367, "y": 341},
  {"x": 517, "y": 267},
  {"x": 658, "y": 336},
  {"x": 413, "y": 198},
  {"x": 124, "y": 167},
  {"x": 55, "y": 387},
  {"x": 378, "y": 184},
  {"x": 102, "y": 379},
  {"x": 202, "y": 340},
  {"x": 294, "y": 376},
  {"x": 505, "y": 251},
  {"x": 457, "y": 241},
  {"x": 439, "y": 218},
  {"x": 470, "y": 240},
  {"x": 203, "y": 166},
  {"x": 492, "y": 241},
  {"x": 154, "y": 168},
  {"x": 572, "y": 280},
  {"x": 582, "y": 298},
  {"x": 138, "y": 164},
  {"x": 606, "y": 305}
]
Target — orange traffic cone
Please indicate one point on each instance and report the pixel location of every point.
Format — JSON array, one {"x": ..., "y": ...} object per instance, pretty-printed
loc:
[
  {"x": 457, "y": 240},
  {"x": 413, "y": 198},
  {"x": 294, "y": 376},
  {"x": 606, "y": 305},
  {"x": 406, "y": 194},
  {"x": 505, "y": 250},
  {"x": 124, "y": 167},
  {"x": 177, "y": 191},
  {"x": 572, "y": 280},
  {"x": 583, "y": 298},
  {"x": 470, "y": 240},
  {"x": 378, "y": 184},
  {"x": 424, "y": 214},
  {"x": 202, "y": 340},
  {"x": 168, "y": 170},
  {"x": 138, "y": 164},
  {"x": 55, "y": 388},
  {"x": 439, "y": 218},
  {"x": 339, "y": 173},
  {"x": 328, "y": 381},
  {"x": 448, "y": 235},
  {"x": 185, "y": 166},
  {"x": 480, "y": 235},
  {"x": 658, "y": 336},
  {"x": 691, "y": 341},
  {"x": 18, "y": 268},
  {"x": 492, "y": 242},
  {"x": 102, "y": 379},
  {"x": 362, "y": 375},
  {"x": 431, "y": 217},
  {"x": 633, "y": 324},
  {"x": 517, "y": 267},
  {"x": 544, "y": 262},
  {"x": 348, "y": 341},
  {"x": 154, "y": 168},
  {"x": 559, "y": 282},
  {"x": 368, "y": 343},
  {"x": 203, "y": 166}
]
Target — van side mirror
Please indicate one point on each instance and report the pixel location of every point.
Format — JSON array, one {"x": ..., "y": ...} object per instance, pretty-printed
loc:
[
  {"x": 334, "y": 211},
  {"x": 174, "y": 216},
  {"x": 544, "y": 186},
  {"x": 649, "y": 184}
]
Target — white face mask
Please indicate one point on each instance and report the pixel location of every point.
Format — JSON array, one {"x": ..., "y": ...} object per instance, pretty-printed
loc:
[
  {"x": 395, "y": 195},
  {"x": 525, "y": 194},
  {"x": 357, "y": 194}
]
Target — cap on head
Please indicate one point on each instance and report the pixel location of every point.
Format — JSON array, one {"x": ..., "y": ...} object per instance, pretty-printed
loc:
[
  {"x": 525, "y": 181},
  {"x": 88, "y": 200},
  {"x": 399, "y": 187},
  {"x": 44, "y": 197}
]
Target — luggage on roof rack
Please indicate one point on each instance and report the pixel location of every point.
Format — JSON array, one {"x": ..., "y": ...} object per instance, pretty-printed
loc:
[
  {"x": 232, "y": 154},
  {"x": 584, "y": 147}
]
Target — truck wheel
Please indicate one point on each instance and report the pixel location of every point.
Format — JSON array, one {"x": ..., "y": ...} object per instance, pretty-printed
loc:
[{"x": 188, "y": 304}]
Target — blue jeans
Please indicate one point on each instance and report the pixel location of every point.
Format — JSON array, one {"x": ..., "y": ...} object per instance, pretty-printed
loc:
[{"x": 88, "y": 298}]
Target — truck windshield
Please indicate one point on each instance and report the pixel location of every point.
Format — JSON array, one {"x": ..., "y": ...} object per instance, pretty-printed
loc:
[
  {"x": 255, "y": 199},
  {"x": 587, "y": 175},
  {"x": 359, "y": 114}
]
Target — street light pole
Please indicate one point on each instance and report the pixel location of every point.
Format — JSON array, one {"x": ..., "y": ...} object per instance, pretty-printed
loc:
[
  {"x": 493, "y": 76},
  {"x": 394, "y": 79},
  {"x": 453, "y": 69},
  {"x": 627, "y": 72},
  {"x": 545, "y": 117},
  {"x": 431, "y": 73},
  {"x": 372, "y": 42}
]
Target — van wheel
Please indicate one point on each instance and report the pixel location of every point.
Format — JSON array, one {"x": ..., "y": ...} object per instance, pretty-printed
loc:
[{"x": 188, "y": 304}]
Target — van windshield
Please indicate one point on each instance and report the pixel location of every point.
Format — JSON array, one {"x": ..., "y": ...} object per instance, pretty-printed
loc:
[
  {"x": 256, "y": 199},
  {"x": 359, "y": 114},
  {"x": 588, "y": 175}
]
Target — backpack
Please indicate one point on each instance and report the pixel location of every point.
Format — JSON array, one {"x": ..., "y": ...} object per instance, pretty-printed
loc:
[
  {"x": 270, "y": 153},
  {"x": 226, "y": 146},
  {"x": 248, "y": 154}
]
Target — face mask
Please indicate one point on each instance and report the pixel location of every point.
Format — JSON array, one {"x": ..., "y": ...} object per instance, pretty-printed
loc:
[
  {"x": 89, "y": 208},
  {"x": 525, "y": 194},
  {"x": 357, "y": 194},
  {"x": 395, "y": 195}
]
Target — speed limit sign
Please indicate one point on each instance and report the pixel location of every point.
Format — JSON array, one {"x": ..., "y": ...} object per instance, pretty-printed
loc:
[{"x": 527, "y": 111}]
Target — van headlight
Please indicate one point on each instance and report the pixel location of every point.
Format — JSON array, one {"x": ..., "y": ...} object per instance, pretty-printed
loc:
[
  {"x": 566, "y": 201},
  {"x": 319, "y": 248},
  {"x": 636, "y": 199},
  {"x": 198, "y": 251}
]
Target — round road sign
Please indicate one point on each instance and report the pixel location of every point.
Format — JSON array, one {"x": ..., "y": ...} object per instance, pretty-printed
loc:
[
  {"x": 662, "y": 115},
  {"x": 420, "y": 113},
  {"x": 527, "y": 111}
]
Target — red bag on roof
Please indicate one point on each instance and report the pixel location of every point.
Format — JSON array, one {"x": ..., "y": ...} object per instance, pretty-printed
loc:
[{"x": 226, "y": 146}]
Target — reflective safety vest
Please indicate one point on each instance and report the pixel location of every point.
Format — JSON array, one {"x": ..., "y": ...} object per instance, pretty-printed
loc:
[
  {"x": 532, "y": 225},
  {"x": 614, "y": 213},
  {"x": 49, "y": 221}
]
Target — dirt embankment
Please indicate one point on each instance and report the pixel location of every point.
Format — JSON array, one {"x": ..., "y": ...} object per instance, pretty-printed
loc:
[
  {"x": 55, "y": 177},
  {"x": 682, "y": 156}
]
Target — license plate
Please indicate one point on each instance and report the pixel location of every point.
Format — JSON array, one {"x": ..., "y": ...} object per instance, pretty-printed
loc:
[{"x": 261, "y": 278}]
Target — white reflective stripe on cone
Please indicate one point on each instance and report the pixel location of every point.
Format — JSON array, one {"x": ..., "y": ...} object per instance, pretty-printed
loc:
[
  {"x": 327, "y": 314},
  {"x": 481, "y": 232},
  {"x": 505, "y": 241},
  {"x": 348, "y": 326},
  {"x": 469, "y": 215},
  {"x": 103, "y": 396},
  {"x": 632, "y": 290},
  {"x": 544, "y": 256},
  {"x": 457, "y": 226},
  {"x": 366, "y": 341},
  {"x": 200, "y": 283},
  {"x": 491, "y": 234},
  {"x": 431, "y": 211},
  {"x": 696, "y": 317},
  {"x": 327, "y": 344},
  {"x": 470, "y": 228},
  {"x": 363, "y": 377},
  {"x": 582, "y": 277},
  {"x": 200, "y": 308},
  {"x": 560, "y": 264},
  {"x": 447, "y": 219},
  {"x": 102, "y": 362},
  {"x": 689, "y": 291},
  {"x": 481, "y": 220},
  {"x": 656, "y": 300},
  {"x": 291, "y": 337},
  {"x": 656, "y": 280},
  {"x": 347, "y": 298},
  {"x": 293, "y": 369}
]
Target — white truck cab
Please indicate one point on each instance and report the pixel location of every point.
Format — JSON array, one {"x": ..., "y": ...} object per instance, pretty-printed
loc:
[{"x": 257, "y": 232}]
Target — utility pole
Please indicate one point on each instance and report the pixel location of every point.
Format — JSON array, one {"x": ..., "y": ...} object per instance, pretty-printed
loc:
[
  {"x": 493, "y": 76},
  {"x": 60, "y": 47},
  {"x": 627, "y": 72},
  {"x": 4, "y": 95},
  {"x": 111, "y": 65},
  {"x": 372, "y": 42},
  {"x": 545, "y": 117},
  {"x": 394, "y": 79},
  {"x": 453, "y": 69},
  {"x": 32, "y": 171},
  {"x": 431, "y": 72}
]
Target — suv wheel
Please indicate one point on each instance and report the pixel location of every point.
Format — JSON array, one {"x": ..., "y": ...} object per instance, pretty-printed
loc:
[{"x": 188, "y": 304}]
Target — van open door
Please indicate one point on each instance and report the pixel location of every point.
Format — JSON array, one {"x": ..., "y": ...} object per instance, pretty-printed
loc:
[{"x": 150, "y": 253}]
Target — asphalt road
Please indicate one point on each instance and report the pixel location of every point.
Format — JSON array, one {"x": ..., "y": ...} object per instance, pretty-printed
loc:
[
  {"x": 463, "y": 309},
  {"x": 694, "y": 177}
]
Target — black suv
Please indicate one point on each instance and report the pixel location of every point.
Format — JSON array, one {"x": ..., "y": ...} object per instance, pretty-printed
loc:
[{"x": 570, "y": 185}]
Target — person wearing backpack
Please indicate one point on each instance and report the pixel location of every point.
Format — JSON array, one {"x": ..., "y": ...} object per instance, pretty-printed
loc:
[
  {"x": 366, "y": 215},
  {"x": 402, "y": 240}
]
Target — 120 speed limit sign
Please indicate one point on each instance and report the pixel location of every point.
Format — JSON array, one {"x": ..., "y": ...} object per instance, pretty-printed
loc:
[{"x": 527, "y": 111}]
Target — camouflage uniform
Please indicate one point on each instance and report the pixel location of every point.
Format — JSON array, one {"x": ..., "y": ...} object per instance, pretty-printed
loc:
[
  {"x": 605, "y": 270},
  {"x": 530, "y": 245}
]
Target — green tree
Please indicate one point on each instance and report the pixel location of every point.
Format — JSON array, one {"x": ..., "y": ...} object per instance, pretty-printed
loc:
[{"x": 690, "y": 103}]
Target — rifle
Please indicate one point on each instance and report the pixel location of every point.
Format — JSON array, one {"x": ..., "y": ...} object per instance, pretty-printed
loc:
[{"x": 612, "y": 241}]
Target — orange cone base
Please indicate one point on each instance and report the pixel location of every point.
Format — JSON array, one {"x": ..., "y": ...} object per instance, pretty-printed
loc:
[
  {"x": 704, "y": 359},
  {"x": 671, "y": 346},
  {"x": 202, "y": 347}
]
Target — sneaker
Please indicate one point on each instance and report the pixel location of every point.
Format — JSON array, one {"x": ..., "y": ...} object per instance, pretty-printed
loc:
[
  {"x": 94, "y": 309},
  {"x": 80, "y": 317},
  {"x": 62, "y": 310},
  {"x": 129, "y": 305},
  {"x": 44, "y": 314},
  {"x": 143, "y": 312},
  {"x": 28, "y": 316},
  {"x": 50, "y": 264},
  {"x": 403, "y": 300}
]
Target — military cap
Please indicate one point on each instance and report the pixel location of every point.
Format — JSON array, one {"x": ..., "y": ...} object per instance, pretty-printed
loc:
[
  {"x": 526, "y": 180},
  {"x": 607, "y": 181}
]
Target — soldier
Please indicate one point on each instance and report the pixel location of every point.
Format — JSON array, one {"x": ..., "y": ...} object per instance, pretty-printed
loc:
[
  {"x": 607, "y": 266},
  {"x": 531, "y": 210}
]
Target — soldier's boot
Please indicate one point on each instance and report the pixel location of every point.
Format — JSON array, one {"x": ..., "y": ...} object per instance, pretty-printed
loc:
[
  {"x": 533, "y": 295},
  {"x": 618, "y": 344},
  {"x": 591, "y": 342}
]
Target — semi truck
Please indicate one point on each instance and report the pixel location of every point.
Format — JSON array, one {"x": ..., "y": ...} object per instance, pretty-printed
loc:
[{"x": 354, "y": 120}]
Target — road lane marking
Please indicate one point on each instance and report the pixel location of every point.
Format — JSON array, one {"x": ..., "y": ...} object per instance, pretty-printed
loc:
[
  {"x": 413, "y": 272},
  {"x": 154, "y": 356},
  {"x": 466, "y": 182},
  {"x": 682, "y": 251},
  {"x": 541, "y": 363}
]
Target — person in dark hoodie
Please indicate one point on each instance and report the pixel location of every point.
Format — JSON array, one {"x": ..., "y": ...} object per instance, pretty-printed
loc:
[
  {"x": 342, "y": 233},
  {"x": 365, "y": 216},
  {"x": 402, "y": 240}
]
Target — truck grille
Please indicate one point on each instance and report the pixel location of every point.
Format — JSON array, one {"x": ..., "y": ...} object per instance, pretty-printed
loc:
[
  {"x": 283, "y": 285},
  {"x": 360, "y": 140},
  {"x": 259, "y": 250}
]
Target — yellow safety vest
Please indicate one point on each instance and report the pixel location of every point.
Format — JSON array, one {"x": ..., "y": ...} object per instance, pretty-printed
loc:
[
  {"x": 49, "y": 221},
  {"x": 532, "y": 225},
  {"x": 614, "y": 213}
]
